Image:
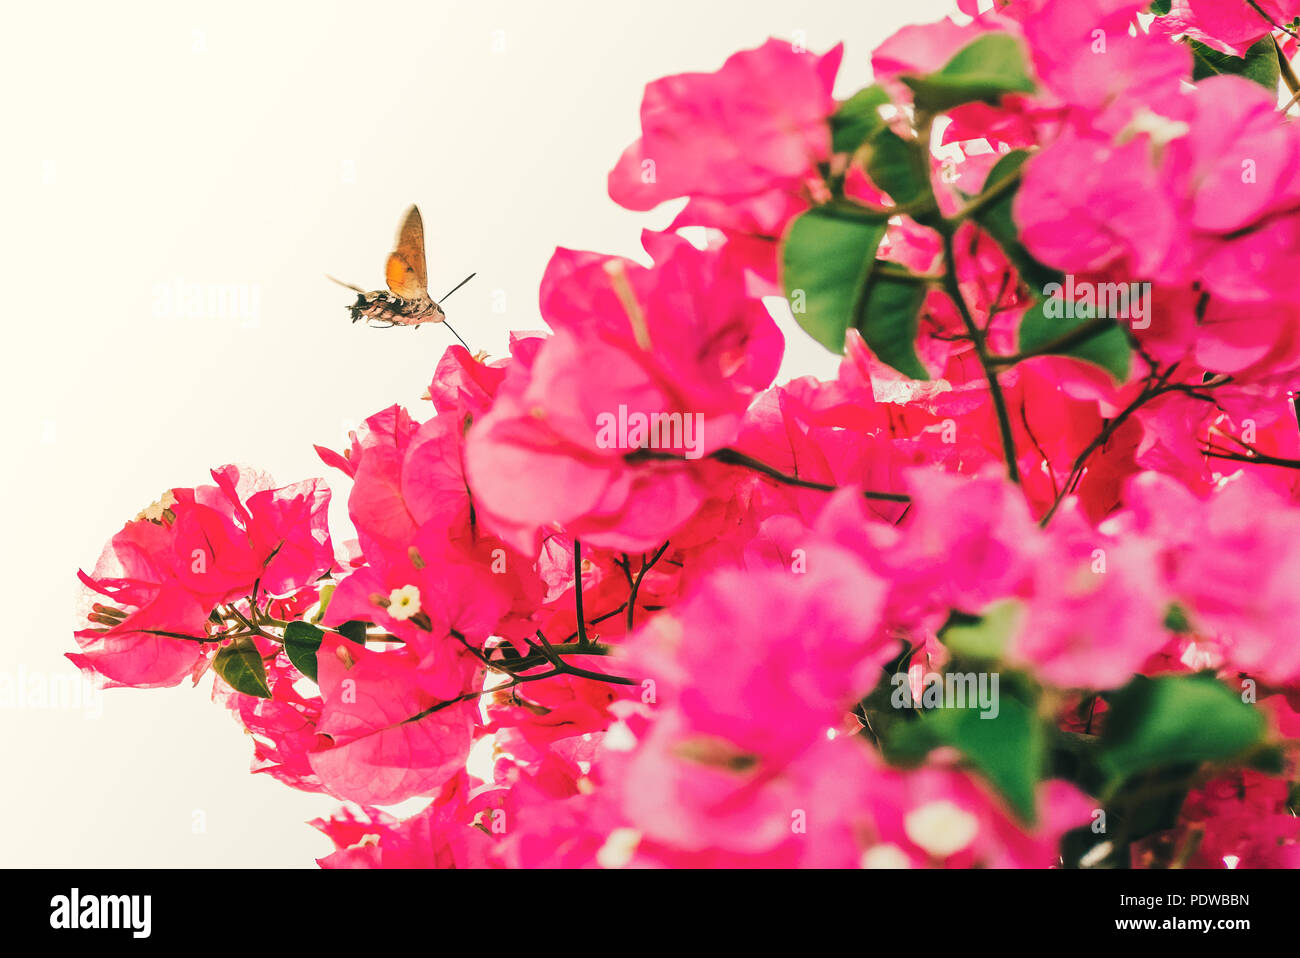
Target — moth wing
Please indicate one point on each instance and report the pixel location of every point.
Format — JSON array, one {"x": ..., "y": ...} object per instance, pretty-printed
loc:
[
  {"x": 401, "y": 278},
  {"x": 405, "y": 271}
]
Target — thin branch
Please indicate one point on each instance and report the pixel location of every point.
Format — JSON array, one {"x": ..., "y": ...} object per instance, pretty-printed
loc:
[
  {"x": 636, "y": 586},
  {"x": 735, "y": 458},
  {"x": 1262, "y": 459},
  {"x": 1151, "y": 391},
  {"x": 981, "y": 351},
  {"x": 577, "y": 593},
  {"x": 990, "y": 195}
]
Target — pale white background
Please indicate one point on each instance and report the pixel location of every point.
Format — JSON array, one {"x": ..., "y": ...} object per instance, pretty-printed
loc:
[{"x": 257, "y": 146}]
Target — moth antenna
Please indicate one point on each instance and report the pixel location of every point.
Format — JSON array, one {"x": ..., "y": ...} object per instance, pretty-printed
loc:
[
  {"x": 453, "y": 289},
  {"x": 355, "y": 289}
]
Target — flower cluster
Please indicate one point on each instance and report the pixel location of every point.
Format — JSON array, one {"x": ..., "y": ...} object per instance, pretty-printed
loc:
[{"x": 1019, "y": 573}]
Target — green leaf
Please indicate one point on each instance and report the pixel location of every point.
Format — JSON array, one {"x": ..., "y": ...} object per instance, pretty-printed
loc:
[
  {"x": 301, "y": 642},
  {"x": 899, "y": 168},
  {"x": 1153, "y": 723},
  {"x": 240, "y": 664},
  {"x": 326, "y": 594},
  {"x": 1260, "y": 63},
  {"x": 995, "y": 217},
  {"x": 1108, "y": 349},
  {"x": 1269, "y": 759},
  {"x": 355, "y": 630},
  {"x": 887, "y": 320},
  {"x": 904, "y": 743},
  {"x": 831, "y": 279},
  {"x": 985, "y": 638},
  {"x": 1160, "y": 7},
  {"x": 857, "y": 118},
  {"x": 825, "y": 261},
  {"x": 1052, "y": 335},
  {"x": 985, "y": 69},
  {"x": 1177, "y": 620},
  {"x": 1009, "y": 749}
]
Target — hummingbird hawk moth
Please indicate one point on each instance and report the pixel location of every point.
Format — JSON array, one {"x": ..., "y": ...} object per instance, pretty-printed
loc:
[{"x": 406, "y": 302}]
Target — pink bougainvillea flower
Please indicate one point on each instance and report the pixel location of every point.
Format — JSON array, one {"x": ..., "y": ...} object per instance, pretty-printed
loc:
[
  {"x": 286, "y": 527},
  {"x": 1166, "y": 200},
  {"x": 1085, "y": 55},
  {"x": 535, "y": 459},
  {"x": 718, "y": 765},
  {"x": 374, "y": 461},
  {"x": 382, "y": 739},
  {"x": 937, "y": 816},
  {"x": 423, "y": 596},
  {"x": 553, "y": 821},
  {"x": 688, "y": 319},
  {"x": 741, "y": 142},
  {"x": 1231, "y": 26},
  {"x": 1240, "y": 820},
  {"x": 442, "y": 835},
  {"x": 463, "y": 384},
  {"x": 283, "y": 727},
  {"x": 964, "y": 543},
  {"x": 920, "y": 49},
  {"x": 135, "y": 576},
  {"x": 1211, "y": 560},
  {"x": 1097, "y": 609},
  {"x": 1086, "y": 205},
  {"x": 784, "y": 657},
  {"x": 680, "y": 345},
  {"x": 1238, "y": 161},
  {"x": 692, "y": 802},
  {"x": 166, "y": 571},
  {"x": 557, "y": 708}
]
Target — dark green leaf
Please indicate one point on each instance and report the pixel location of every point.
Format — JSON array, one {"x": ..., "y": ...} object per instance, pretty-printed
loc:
[
  {"x": 326, "y": 594},
  {"x": 898, "y": 167},
  {"x": 1260, "y": 63},
  {"x": 905, "y": 743},
  {"x": 1269, "y": 759},
  {"x": 354, "y": 630},
  {"x": 986, "y": 638},
  {"x": 1010, "y": 749},
  {"x": 995, "y": 217},
  {"x": 301, "y": 642},
  {"x": 857, "y": 118},
  {"x": 1169, "y": 720},
  {"x": 985, "y": 69},
  {"x": 1055, "y": 335},
  {"x": 888, "y": 318},
  {"x": 1176, "y": 619},
  {"x": 240, "y": 664},
  {"x": 825, "y": 261},
  {"x": 1160, "y": 7}
]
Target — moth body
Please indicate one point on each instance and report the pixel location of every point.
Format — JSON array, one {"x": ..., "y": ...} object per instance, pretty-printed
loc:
[{"x": 383, "y": 306}]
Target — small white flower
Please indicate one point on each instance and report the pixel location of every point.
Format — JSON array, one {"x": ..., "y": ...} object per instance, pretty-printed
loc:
[
  {"x": 618, "y": 848},
  {"x": 1159, "y": 128},
  {"x": 403, "y": 603},
  {"x": 941, "y": 828},
  {"x": 1096, "y": 854},
  {"x": 885, "y": 856},
  {"x": 618, "y": 738}
]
